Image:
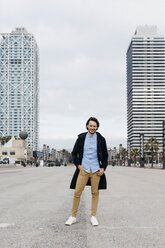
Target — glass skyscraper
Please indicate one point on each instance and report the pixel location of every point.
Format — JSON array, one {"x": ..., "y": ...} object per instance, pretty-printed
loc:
[
  {"x": 19, "y": 85},
  {"x": 145, "y": 86}
]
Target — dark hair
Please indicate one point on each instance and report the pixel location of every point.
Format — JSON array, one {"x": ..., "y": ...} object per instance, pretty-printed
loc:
[{"x": 92, "y": 119}]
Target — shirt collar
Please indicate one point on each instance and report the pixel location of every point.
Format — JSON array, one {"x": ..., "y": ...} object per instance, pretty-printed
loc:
[{"x": 91, "y": 136}]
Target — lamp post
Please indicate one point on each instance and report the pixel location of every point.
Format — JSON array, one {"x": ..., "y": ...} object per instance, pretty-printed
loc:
[
  {"x": 120, "y": 149},
  {"x": 141, "y": 149},
  {"x": 163, "y": 157},
  {"x": 129, "y": 151}
]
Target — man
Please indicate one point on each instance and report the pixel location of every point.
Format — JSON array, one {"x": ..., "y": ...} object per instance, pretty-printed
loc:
[{"x": 90, "y": 157}]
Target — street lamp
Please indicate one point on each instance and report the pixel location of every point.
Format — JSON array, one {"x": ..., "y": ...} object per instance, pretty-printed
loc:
[
  {"x": 141, "y": 149},
  {"x": 163, "y": 157},
  {"x": 129, "y": 152}
]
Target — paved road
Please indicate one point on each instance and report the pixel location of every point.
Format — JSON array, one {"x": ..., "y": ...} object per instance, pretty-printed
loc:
[{"x": 35, "y": 203}]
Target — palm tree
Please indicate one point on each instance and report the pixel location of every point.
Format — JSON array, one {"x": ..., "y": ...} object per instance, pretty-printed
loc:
[
  {"x": 134, "y": 153},
  {"x": 152, "y": 145},
  {"x": 124, "y": 154},
  {"x": 117, "y": 158}
]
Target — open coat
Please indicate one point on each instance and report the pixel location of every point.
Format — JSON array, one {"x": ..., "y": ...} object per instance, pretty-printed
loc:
[{"x": 102, "y": 155}]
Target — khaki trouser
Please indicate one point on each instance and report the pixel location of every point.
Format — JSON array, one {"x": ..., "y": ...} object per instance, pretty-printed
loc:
[{"x": 80, "y": 184}]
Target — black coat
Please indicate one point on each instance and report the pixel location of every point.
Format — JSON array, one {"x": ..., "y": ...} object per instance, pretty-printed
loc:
[{"x": 102, "y": 154}]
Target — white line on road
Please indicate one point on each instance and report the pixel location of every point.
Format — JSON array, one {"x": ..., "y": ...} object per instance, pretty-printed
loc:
[
  {"x": 131, "y": 227},
  {"x": 3, "y": 225}
]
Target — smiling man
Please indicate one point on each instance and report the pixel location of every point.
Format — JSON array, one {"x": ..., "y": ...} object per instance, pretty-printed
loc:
[{"x": 90, "y": 157}]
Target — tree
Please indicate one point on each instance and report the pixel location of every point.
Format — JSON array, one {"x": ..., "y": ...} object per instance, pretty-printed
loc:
[
  {"x": 152, "y": 145},
  {"x": 65, "y": 156},
  {"x": 117, "y": 158},
  {"x": 123, "y": 154},
  {"x": 133, "y": 154},
  {"x": 5, "y": 139}
]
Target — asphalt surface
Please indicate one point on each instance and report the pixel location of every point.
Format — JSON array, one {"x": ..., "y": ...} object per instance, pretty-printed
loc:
[{"x": 35, "y": 203}]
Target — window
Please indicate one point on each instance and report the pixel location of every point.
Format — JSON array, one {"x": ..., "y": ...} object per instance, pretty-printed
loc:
[
  {"x": 4, "y": 152},
  {"x": 12, "y": 153}
]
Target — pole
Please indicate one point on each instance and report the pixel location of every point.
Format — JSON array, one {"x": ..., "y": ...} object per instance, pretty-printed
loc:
[
  {"x": 163, "y": 157},
  {"x": 141, "y": 149},
  {"x": 129, "y": 151}
]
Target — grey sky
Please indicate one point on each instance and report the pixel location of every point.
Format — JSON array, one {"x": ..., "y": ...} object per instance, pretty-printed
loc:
[{"x": 83, "y": 46}]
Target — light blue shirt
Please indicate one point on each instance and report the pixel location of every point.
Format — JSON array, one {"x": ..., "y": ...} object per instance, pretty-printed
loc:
[{"x": 90, "y": 159}]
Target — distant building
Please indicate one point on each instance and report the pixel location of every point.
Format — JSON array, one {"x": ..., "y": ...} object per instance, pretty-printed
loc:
[
  {"x": 48, "y": 153},
  {"x": 120, "y": 148},
  {"x": 145, "y": 86},
  {"x": 16, "y": 150},
  {"x": 112, "y": 155},
  {"x": 45, "y": 153},
  {"x": 19, "y": 90},
  {"x": 53, "y": 155}
]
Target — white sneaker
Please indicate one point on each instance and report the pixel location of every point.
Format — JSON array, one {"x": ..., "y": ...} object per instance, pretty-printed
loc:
[
  {"x": 94, "y": 221},
  {"x": 70, "y": 221}
]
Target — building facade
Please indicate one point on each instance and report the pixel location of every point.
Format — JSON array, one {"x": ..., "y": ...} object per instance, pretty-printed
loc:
[
  {"x": 16, "y": 150},
  {"x": 111, "y": 155},
  {"x": 145, "y": 86},
  {"x": 19, "y": 89}
]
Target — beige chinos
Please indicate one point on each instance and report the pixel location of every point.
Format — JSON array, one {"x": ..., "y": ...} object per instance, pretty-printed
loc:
[{"x": 80, "y": 185}]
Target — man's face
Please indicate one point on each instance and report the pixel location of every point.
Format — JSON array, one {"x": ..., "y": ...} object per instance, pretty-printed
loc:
[{"x": 92, "y": 127}]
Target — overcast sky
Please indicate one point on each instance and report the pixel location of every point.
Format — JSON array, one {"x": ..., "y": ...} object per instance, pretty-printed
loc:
[{"x": 83, "y": 46}]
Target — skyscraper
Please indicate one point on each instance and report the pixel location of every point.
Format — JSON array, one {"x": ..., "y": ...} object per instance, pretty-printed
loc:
[
  {"x": 19, "y": 89},
  {"x": 145, "y": 86}
]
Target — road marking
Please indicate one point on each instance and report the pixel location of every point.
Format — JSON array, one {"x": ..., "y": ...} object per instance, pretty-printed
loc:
[
  {"x": 7, "y": 172},
  {"x": 131, "y": 227},
  {"x": 3, "y": 225}
]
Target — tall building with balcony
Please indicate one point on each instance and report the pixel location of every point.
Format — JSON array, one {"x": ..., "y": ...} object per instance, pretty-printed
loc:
[
  {"x": 145, "y": 86},
  {"x": 19, "y": 85}
]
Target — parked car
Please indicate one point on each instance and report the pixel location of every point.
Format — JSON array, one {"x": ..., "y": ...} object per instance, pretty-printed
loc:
[{"x": 5, "y": 161}]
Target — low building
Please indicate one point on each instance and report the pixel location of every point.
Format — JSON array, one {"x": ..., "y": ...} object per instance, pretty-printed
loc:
[
  {"x": 112, "y": 155},
  {"x": 16, "y": 150}
]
